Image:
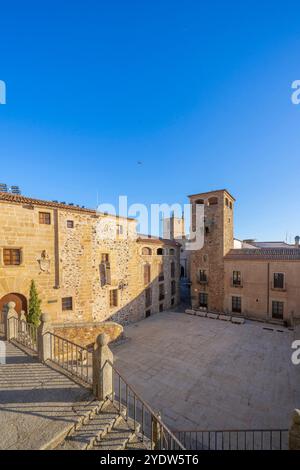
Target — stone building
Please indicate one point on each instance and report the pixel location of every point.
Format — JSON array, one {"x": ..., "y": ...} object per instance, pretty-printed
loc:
[
  {"x": 88, "y": 267},
  {"x": 207, "y": 263},
  {"x": 174, "y": 229},
  {"x": 259, "y": 280}
]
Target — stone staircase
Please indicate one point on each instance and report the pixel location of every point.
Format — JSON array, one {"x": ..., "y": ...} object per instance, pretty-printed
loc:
[{"x": 103, "y": 427}]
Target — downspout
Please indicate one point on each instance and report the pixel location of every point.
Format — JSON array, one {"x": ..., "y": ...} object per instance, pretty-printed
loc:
[
  {"x": 56, "y": 249},
  {"x": 268, "y": 292}
]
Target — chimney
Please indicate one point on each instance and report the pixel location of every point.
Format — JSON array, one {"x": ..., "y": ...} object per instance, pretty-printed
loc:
[{"x": 297, "y": 239}]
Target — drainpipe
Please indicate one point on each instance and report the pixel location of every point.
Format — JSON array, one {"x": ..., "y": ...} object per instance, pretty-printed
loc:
[
  {"x": 268, "y": 291},
  {"x": 56, "y": 249}
]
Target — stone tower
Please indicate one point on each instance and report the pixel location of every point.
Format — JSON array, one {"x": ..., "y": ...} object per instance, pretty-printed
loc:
[
  {"x": 207, "y": 263},
  {"x": 173, "y": 228}
]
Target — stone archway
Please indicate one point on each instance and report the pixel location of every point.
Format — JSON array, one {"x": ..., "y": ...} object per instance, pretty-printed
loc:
[{"x": 19, "y": 299}]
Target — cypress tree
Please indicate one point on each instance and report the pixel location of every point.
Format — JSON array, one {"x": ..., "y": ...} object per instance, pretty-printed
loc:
[{"x": 34, "y": 310}]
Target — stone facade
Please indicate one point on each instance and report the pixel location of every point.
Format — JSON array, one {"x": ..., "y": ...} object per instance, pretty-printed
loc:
[
  {"x": 67, "y": 251},
  {"x": 217, "y": 241},
  {"x": 255, "y": 265},
  {"x": 257, "y": 291}
]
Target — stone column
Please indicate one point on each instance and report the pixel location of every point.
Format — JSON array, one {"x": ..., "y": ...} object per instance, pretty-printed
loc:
[
  {"x": 23, "y": 320},
  {"x": 102, "y": 371},
  {"x": 44, "y": 339},
  {"x": 156, "y": 432},
  {"x": 294, "y": 433},
  {"x": 11, "y": 324}
]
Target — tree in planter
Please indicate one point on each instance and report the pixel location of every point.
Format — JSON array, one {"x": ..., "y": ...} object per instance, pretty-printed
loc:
[{"x": 34, "y": 310}]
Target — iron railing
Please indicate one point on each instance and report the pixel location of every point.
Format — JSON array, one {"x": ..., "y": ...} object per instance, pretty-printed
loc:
[
  {"x": 24, "y": 333},
  {"x": 73, "y": 358},
  {"x": 248, "y": 439},
  {"x": 147, "y": 424}
]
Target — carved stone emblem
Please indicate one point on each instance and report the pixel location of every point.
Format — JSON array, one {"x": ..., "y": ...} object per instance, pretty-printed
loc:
[{"x": 44, "y": 262}]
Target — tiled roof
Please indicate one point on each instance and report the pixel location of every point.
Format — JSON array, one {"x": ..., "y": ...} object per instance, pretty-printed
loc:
[
  {"x": 207, "y": 193},
  {"x": 271, "y": 245},
  {"x": 284, "y": 254},
  {"x": 157, "y": 240},
  {"x": 19, "y": 199}
]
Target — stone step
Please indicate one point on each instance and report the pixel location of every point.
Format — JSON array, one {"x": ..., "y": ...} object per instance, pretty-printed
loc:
[
  {"x": 119, "y": 436},
  {"x": 138, "y": 443},
  {"x": 99, "y": 422}
]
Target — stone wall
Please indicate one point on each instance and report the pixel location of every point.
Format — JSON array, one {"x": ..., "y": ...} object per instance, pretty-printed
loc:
[
  {"x": 218, "y": 240},
  {"x": 74, "y": 257},
  {"x": 257, "y": 292}
]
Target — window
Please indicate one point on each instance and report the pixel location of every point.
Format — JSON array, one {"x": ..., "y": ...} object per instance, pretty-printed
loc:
[
  {"x": 230, "y": 205},
  {"x": 148, "y": 313},
  {"x": 236, "y": 278},
  {"x": 147, "y": 274},
  {"x": 203, "y": 276},
  {"x": 146, "y": 251},
  {"x": 199, "y": 202},
  {"x": 11, "y": 257},
  {"x": 70, "y": 224},
  {"x": 113, "y": 298},
  {"x": 44, "y": 218},
  {"x": 173, "y": 288},
  {"x": 161, "y": 275},
  {"x": 203, "y": 299},
  {"x": 120, "y": 229},
  {"x": 172, "y": 251},
  {"x": 67, "y": 303},
  {"x": 161, "y": 307},
  {"x": 148, "y": 297},
  {"x": 173, "y": 269},
  {"x": 212, "y": 201},
  {"x": 160, "y": 252},
  {"x": 277, "y": 310},
  {"x": 105, "y": 271},
  {"x": 236, "y": 304},
  {"x": 161, "y": 292},
  {"x": 226, "y": 202},
  {"x": 172, "y": 301},
  {"x": 278, "y": 281}
]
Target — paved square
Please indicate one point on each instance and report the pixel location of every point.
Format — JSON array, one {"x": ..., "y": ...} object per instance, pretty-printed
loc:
[{"x": 210, "y": 374}]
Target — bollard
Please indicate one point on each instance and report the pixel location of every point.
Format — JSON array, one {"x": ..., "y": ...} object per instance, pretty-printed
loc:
[
  {"x": 102, "y": 371},
  {"x": 294, "y": 432},
  {"x": 11, "y": 322},
  {"x": 43, "y": 338}
]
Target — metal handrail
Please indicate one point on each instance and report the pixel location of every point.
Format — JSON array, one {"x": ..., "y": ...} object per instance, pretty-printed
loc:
[
  {"x": 160, "y": 436},
  {"x": 75, "y": 359},
  {"x": 234, "y": 439}
]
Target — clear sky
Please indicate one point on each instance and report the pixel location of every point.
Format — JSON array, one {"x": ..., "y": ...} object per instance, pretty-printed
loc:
[{"x": 197, "y": 91}]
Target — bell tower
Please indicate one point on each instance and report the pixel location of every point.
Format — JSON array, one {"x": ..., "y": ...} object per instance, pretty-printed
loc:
[{"x": 207, "y": 263}]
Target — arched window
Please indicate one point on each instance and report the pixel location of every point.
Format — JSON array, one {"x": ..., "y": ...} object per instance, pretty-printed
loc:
[
  {"x": 172, "y": 251},
  {"x": 160, "y": 252},
  {"x": 198, "y": 202},
  {"x": 212, "y": 201},
  {"x": 146, "y": 251}
]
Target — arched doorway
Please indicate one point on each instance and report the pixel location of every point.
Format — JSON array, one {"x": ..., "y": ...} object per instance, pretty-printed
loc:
[{"x": 19, "y": 299}]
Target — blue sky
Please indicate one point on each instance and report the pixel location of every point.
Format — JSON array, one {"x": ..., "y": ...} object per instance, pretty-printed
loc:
[{"x": 198, "y": 91}]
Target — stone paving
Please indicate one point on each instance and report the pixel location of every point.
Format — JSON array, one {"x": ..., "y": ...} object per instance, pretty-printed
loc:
[
  {"x": 210, "y": 374},
  {"x": 36, "y": 402}
]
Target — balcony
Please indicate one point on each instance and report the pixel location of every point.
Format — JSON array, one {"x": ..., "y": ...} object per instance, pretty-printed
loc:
[
  {"x": 278, "y": 288},
  {"x": 236, "y": 283},
  {"x": 203, "y": 280}
]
